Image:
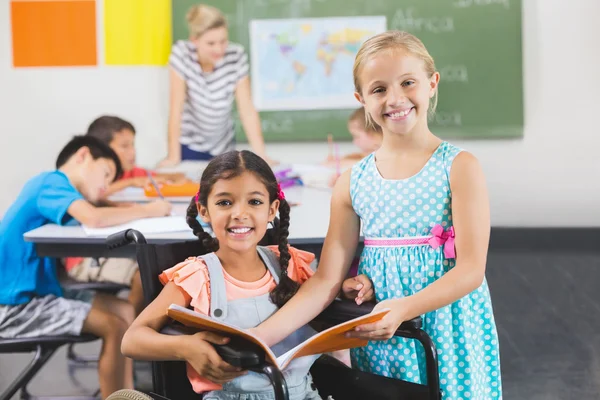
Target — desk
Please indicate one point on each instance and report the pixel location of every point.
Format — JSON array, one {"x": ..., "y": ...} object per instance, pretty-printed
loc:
[{"x": 308, "y": 227}]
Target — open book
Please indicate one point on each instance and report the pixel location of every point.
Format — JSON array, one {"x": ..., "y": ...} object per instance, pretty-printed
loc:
[{"x": 331, "y": 339}]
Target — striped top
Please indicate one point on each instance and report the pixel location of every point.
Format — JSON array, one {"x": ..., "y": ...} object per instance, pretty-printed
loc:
[{"x": 207, "y": 121}]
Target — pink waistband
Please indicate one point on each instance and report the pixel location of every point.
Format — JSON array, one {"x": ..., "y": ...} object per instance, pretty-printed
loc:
[{"x": 438, "y": 237}]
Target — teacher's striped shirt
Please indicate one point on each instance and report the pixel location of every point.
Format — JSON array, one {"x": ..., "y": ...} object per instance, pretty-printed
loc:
[{"x": 207, "y": 120}]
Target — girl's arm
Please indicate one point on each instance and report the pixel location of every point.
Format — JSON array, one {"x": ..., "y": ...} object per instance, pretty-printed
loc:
[
  {"x": 142, "y": 340},
  {"x": 176, "y": 102},
  {"x": 321, "y": 289},
  {"x": 249, "y": 117},
  {"x": 471, "y": 220}
]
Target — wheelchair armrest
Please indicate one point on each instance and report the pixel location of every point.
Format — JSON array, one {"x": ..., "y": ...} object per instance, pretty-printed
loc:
[
  {"x": 124, "y": 238},
  {"x": 342, "y": 310},
  {"x": 238, "y": 352}
]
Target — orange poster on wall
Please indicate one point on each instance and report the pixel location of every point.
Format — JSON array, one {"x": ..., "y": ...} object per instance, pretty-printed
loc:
[{"x": 53, "y": 33}]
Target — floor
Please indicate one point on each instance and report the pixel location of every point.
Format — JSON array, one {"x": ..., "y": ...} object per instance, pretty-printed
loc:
[{"x": 547, "y": 309}]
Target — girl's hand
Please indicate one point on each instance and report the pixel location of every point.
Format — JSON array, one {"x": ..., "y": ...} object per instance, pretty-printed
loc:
[
  {"x": 358, "y": 288},
  {"x": 140, "y": 181},
  {"x": 270, "y": 161},
  {"x": 170, "y": 161},
  {"x": 203, "y": 357},
  {"x": 384, "y": 329}
]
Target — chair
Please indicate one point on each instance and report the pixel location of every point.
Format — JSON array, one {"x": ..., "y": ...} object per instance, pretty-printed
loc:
[
  {"x": 44, "y": 347},
  {"x": 331, "y": 377}
]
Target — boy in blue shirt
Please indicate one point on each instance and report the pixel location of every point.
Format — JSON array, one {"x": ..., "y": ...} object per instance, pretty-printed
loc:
[{"x": 32, "y": 302}]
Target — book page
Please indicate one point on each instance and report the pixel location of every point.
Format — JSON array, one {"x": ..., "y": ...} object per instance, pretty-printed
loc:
[
  {"x": 144, "y": 225},
  {"x": 200, "y": 321},
  {"x": 331, "y": 339}
]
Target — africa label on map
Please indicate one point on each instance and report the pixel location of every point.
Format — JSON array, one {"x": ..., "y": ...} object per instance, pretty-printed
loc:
[{"x": 301, "y": 64}]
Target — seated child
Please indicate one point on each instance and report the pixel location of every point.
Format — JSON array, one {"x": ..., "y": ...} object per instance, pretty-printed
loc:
[
  {"x": 367, "y": 137},
  {"x": 120, "y": 136},
  {"x": 32, "y": 302},
  {"x": 237, "y": 282}
]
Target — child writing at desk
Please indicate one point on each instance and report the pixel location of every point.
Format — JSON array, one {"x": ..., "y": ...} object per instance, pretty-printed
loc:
[
  {"x": 120, "y": 136},
  {"x": 32, "y": 302},
  {"x": 237, "y": 282},
  {"x": 424, "y": 212},
  {"x": 367, "y": 137}
]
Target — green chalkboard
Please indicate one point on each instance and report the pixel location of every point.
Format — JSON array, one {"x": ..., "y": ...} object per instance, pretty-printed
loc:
[{"x": 476, "y": 45}]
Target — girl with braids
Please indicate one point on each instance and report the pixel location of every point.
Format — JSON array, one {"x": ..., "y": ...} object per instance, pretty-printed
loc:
[{"x": 237, "y": 281}]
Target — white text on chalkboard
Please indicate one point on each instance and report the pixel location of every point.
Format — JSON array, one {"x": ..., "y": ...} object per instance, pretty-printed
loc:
[
  {"x": 448, "y": 118},
  {"x": 469, "y": 3},
  {"x": 407, "y": 20},
  {"x": 454, "y": 73}
]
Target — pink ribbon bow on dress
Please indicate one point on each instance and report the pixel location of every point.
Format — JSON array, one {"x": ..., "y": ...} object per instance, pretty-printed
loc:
[{"x": 442, "y": 237}]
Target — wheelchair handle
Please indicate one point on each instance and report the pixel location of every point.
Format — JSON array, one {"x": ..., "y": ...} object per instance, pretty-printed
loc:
[
  {"x": 124, "y": 238},
  {"x": 342, "y": 310}
]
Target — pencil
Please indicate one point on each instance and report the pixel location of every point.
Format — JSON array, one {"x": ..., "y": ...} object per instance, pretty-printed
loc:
[
  {"x": 330, "y": 141},
  {"x": 153, "y": 182}
]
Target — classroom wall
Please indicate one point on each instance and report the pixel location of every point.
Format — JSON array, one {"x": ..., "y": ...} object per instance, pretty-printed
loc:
[{"x": 548, "y": 178}]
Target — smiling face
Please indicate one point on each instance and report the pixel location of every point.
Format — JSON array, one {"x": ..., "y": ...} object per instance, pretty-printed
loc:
[
  {"x": 396, "y": 90},
  {"x": 211, "y": 45},
  {"x": 239, "y": 211}
]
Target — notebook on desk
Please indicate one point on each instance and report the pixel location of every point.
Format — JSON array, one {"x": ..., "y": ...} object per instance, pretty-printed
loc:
[{"x": 146, "y": 226}]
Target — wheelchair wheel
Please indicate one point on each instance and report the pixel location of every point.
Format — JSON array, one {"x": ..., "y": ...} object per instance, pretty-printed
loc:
[{"x": 128, "y": 394}]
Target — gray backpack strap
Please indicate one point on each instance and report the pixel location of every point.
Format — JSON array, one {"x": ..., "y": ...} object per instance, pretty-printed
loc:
[
  {"x": 271, "y": 261},
  {"x": 218, "y": 295}
]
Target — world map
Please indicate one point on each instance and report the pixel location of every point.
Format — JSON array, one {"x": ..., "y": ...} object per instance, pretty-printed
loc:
[{"x": 300, "y": 64}]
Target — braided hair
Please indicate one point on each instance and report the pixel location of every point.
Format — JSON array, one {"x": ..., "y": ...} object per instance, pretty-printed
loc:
[{"x": 230, "y": 165}]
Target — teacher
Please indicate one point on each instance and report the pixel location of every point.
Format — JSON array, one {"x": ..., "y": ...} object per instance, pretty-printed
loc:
[{"x": 206, "y": 72}]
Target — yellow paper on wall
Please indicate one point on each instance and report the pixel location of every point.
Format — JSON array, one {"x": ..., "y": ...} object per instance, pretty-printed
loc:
[{"x": 137, "y": 32}]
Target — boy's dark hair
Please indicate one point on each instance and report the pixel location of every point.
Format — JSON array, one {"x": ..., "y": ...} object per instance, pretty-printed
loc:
[
  {"x": 228, "y": 166},
  {"x": 105, "y": 127},
  {"x": 97, "y": 148}
]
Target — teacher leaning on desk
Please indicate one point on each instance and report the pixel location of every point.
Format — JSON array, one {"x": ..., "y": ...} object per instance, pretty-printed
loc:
[{"x": 206, "y": 72}]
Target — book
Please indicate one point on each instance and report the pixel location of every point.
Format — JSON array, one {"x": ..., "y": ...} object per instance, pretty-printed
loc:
[
  {"x": 186, "y": 189},
  {"x": 329, "y": 340},
  {"x": 146, "y": 226}
]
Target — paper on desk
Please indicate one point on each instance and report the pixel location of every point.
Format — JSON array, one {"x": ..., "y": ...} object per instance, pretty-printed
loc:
[{"x": 144, "y": 225}]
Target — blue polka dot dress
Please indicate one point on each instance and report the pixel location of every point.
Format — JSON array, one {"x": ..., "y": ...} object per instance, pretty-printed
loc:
[{"x": 409, "y": 243}]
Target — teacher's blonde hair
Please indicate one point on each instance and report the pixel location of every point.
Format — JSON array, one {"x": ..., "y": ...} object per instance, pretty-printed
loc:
[{"x": 201, "y": 18}]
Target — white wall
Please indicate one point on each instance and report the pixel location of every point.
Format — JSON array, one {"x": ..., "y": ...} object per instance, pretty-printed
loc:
[{"x": 548, "y": 178}]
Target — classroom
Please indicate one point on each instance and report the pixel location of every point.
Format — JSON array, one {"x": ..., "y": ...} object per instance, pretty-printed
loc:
[{"x": 113, "y": 111}]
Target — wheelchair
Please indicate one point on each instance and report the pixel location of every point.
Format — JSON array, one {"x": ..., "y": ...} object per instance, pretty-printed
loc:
[{"x": 332, "y": 378}]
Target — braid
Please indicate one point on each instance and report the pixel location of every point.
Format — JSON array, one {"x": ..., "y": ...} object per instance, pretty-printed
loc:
[
  {"x": 209, "y": 243},
  {"x": 286, "y": 287}
]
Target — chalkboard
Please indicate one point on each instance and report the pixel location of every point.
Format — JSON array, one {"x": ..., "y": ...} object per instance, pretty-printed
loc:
[{"x": 476, "y": 45}]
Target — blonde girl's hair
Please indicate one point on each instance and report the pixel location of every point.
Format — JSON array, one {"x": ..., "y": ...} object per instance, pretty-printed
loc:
[
  {"x": 389, "y": 41},
  {"x": 201, "y": 18}
]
